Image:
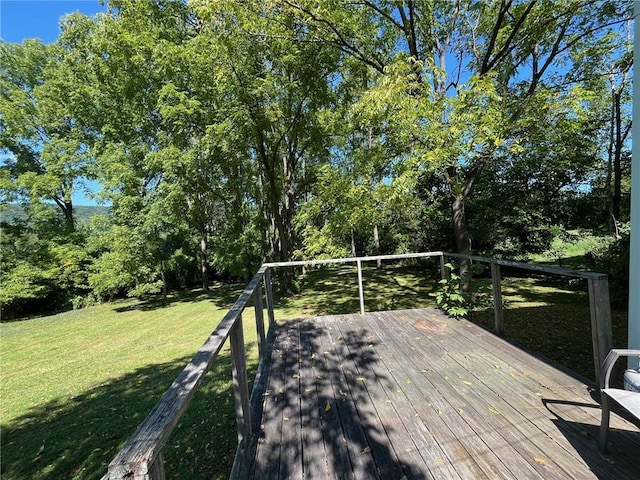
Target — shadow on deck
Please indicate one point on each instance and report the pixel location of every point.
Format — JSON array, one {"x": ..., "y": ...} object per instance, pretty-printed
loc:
[{"x": 414, "y": 394}]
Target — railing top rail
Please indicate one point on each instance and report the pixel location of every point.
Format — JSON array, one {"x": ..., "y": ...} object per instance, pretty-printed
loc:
[
  {"x": 147, "y": 441},
  {"x": 507, "y": 263},
  {"x": 300, "y": 263},
  {"x": 532, "y": 266}
]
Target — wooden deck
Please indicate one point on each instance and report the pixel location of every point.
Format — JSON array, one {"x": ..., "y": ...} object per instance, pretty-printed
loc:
[{"x": 414, "y": 394}]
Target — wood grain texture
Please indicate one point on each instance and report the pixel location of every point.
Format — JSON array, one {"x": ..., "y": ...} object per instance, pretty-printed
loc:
[{"x": 414, "y": 394}]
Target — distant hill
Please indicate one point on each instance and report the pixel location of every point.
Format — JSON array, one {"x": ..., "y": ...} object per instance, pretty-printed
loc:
[{"x": 82, "y": 213}]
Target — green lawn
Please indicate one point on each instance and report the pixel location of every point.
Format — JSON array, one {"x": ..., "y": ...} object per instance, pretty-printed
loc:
[{"x": 75, "y": 385}]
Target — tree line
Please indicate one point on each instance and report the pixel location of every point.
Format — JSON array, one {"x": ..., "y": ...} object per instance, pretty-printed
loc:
[{"x": 224, "y": 133}]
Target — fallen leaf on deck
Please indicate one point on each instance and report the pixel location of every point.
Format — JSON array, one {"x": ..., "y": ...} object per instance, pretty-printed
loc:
[
  {"x": 541, "y": 461},
  {"x": 467, "y": 383},
  {"x": 366, "y": 450},
  {"x": 327, "y": 407}
]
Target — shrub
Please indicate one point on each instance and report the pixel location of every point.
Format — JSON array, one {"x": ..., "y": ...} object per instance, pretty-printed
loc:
[{"x": 612, "y": 257}]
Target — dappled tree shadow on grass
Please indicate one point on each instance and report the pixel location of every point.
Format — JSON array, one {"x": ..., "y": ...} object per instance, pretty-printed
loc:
[
  {"x": 77, "y": 437},
  {"x": 222, "y": 295},
  {"x": 334, "y": 290}
]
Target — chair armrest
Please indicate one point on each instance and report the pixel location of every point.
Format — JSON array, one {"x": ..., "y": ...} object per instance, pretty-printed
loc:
[{"x": 610, "y": 361}]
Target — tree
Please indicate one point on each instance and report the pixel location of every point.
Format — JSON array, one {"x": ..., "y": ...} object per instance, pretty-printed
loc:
[
  {"x": 279, "y": 88},
  {"x": 503, "y": 54},
  {"x": 45, "y": 145}
]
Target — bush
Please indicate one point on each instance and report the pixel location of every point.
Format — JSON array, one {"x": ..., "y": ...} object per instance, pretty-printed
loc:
[{"x": 612, "y": 257}]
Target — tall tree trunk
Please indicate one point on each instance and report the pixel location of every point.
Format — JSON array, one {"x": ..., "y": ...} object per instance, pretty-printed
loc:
[
  {"x": 376, "y": 242},
  {"x": 460, "y": 228},
  {"x": 204, "y": 261},
  {"x": 164, "y": 279},
  {"x": 462, "y": 239},
  {"x": 608, "y": 187},
  {"x": 353, "y": 244},
  {"x": 66, "y": 207},
  {"x": 617, "y": 158}
]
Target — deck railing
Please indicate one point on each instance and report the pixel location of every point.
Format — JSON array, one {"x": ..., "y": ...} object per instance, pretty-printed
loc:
[{"x": 141, "y": 457}]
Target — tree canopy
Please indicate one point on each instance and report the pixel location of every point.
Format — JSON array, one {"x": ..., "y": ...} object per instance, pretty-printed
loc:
[{"x": 224, "y": 133}]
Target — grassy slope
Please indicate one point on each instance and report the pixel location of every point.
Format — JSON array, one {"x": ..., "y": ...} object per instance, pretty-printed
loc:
[{"x": 75, "y": 386}]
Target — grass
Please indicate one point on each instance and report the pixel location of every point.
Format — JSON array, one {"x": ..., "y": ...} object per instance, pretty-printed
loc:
[
  {"x": 75, "y": 385},
  {"x": 570, "y": 250}
]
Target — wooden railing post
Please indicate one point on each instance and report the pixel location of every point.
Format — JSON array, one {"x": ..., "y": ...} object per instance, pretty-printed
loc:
[
  {"x": 259, "y": 313},
  {"x": 600, "y": 308},
  {"x": 497, "y": 298},
  {"x": 240, "y": 383},
  {"x": 269, "y": 295},
  {"x": 360, "y": 289}
]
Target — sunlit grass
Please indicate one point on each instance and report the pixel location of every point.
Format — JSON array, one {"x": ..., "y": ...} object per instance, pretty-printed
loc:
[{"x": 75, "y": 385}]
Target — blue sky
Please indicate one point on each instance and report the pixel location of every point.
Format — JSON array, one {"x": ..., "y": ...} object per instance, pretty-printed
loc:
[{"x": 21, "y": 19}]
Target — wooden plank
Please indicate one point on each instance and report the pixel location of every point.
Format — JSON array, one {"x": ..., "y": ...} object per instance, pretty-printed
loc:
[
  {"x": 267, "y": 457},
  {"x": 449, "y": 404},
  {"x": 442, "y": 449},
  {"x": 360, "y": 288},
  {"x": 532, "y": 266},
  {"x": 244, "y": 460},
  {"x": 392, "y": 450},
  {"x": 445, "y": 274},
  {"x": 331, "y": 261},
  {"x": 268, "y": 292},
  {"x": 314, "y": 456},
  {"x": 551, "y": 381},
  {"x": 259, "y": 315},
  {"x": 475, "y": 400},
  {"x": 418, "y": 454},
  {"x": 432, "y": 398},
  {"x": 342, "y": 399},
  {"x": 530, "y": 390},
  {"x": 291, "y": 440},
  {"x": 486, "y": 388}
]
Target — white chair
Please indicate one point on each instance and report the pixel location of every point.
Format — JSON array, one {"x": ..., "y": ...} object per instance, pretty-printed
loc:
[{"x": 628, "y": 398}]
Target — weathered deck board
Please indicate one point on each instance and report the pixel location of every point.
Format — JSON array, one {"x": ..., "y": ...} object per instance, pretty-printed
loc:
[{"x": 414, "y": 394}]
